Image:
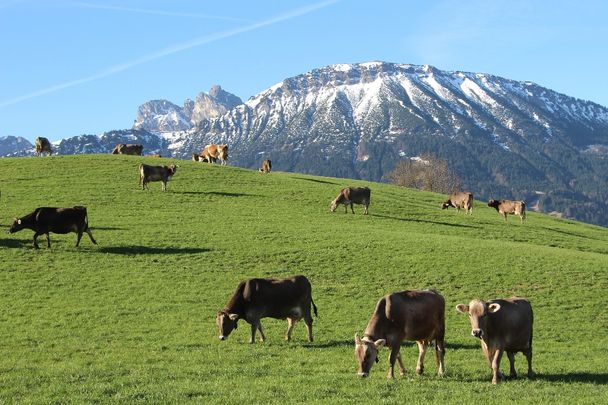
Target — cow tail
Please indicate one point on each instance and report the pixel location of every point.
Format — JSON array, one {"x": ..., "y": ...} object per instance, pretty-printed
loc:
[{"x": 314, "y": 307}]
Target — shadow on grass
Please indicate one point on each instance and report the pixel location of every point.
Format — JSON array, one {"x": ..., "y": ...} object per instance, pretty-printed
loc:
[
  {"x": 576, "y": 377},
  {"x": 314, "y": 180},
  {"x": 578, "y": 235},
  {"x": 351, "y": 342},
  {"x": 150, "y": 250},
  {"x": 220, "y": 193},
  {"x": 106, "y": 228},
  {"x": 425, "y": 221},
  {"x": 14, "y": 243}
]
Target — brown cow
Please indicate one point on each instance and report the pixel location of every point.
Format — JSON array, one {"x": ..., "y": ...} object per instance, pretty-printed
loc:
[
  {"x": 258, "y": 298},
  {"x": 43, "y": 145},
  {"x": 57, "y": 220},
  {"x": 198, "y": 158},
  {"x": 505, "y": 207},
  {"x": 128, "y": 149},
  {"x": 214, "y": 152},
  {"x": 156, "y": 155},
  {"x": 406, "y": 315},
  {"x": 352, "y": 195},
  {"x": 155, "y": 173},
  {"x": 502, "y": 325},
  {"x": 266, "y": 166},
  {"x": 460, "y": 200}
]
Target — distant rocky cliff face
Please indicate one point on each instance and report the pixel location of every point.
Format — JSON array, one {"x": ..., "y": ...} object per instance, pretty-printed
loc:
[{"x": 504, "y": 138}]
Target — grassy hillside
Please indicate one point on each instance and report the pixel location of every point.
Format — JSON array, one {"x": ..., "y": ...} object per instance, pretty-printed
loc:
[{"x": 133, "y": 319}]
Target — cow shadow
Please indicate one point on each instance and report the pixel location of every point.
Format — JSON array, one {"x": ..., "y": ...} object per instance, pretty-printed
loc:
[
  {"x": 574, "y": 377},
  {"x": 218, "y": 193},
  {"x": 314, "y": 180},
  {"x": 331, "y": 343},
  {"x": 106, "y": 228},
  {"x": 150, "y": 250},
  {"x": 14, "y": 243},
  {"x": 425, "y": 221}
]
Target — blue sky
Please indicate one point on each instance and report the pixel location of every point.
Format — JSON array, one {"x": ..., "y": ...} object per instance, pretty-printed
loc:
[{"x": 74, "y": 67}]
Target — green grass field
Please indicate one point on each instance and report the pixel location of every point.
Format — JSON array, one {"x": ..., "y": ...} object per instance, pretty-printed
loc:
[{"x": 133, "y": 318}]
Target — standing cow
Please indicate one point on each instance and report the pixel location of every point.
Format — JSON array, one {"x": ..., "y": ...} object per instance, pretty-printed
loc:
[
  {"x": 266, "y": 166},
  {"x": 460, "y": 200},
  {"x": 43, "y": 145},
  {"x": 213, "y": 152},
  {"x": 350, "y": 196},
  {"x": 406, "y": 315},
  {"x": 502, "y": 325},
  {"x": 258, "y": 298},
  {"x": 57, "y": 220},
  {"x": 128, "y": 149},
  {"x": 506, "y": 207},
  {"x": 155, "y": 173}
]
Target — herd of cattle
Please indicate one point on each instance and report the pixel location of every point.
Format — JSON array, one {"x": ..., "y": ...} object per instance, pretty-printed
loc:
[{"x": 502, "y": 325}]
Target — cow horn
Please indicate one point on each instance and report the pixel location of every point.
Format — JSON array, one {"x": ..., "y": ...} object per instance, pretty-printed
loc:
[{"x": 233, "y": 317}]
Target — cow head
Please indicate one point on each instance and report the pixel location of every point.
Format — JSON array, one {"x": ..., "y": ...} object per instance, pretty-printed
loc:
[
  {"x": 366, "y": 353},
  {"x": 478, "y": 315},
  {"x": 446, "y": 205},
  {"x": 334, "y": 204},
  {"x": 16, "y": 226},
  {"x": 226, "y": 323},
  {"x": 493, "y": 203},
  {"x": 172, "y": 169}
]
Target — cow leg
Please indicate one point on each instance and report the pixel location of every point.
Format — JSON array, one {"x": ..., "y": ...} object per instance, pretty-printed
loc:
[
  {"x": 366, "y": 209},
  {"x": 48, "y": 239},
  {"x": 164, "y": 186},
  {"x": 345, "y": 208},
  {"x": 528, "y": 354},
  {"x": 88, "y": 231},
  {"x": 255, "y": 324},
  {"x": 392, "y": 359},
  {"x": 78, "y": 238},
  {"x": 440, "y": 356},
  {"x": 401, "y": 366},
  {"x": 496, "y": 366},
  {"x": 290, "y": 325},
  {"x": 262, "y": 336},
  {"x": 421, "y": 353},
  {"x": 512, "y": 371},
  {"x": 308, "y": 323},
  {"x": 35, "y": 240},
  {"x": 351, "y": 208}
]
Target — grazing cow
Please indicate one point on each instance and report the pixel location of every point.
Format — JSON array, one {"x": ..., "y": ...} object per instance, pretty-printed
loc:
[
  {"x": 266, "y": 166},
  {"x": 57, "y": 220},
  {"x": 258, "y": 298},
  {"x": 460, "y": 200},
  {"x": 502, "y": 326},
  {"x": 155, "y": 173},
  {"x": 43, "y": 145},
  {"x": 505, "y": 207},
  {"x": 352, "y": 195},
  {"x": 198, "y": 158},
  {"x": 128, "y": 149},
  {"x": 156, "y": 155},
  {"x": 214, "y": 152},
  {"x": 407, "y": 315}
]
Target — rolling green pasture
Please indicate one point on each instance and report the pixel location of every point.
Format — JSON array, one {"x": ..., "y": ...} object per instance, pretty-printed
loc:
[{"x": 133, "y": 318}]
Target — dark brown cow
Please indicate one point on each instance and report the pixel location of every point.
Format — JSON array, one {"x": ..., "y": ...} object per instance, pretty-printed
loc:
[
  {"x": 43, "y": 145},
  {"x": 155, "y": 173},
  {"x": 460, "y": 200},
  {"x": 350, "y": 196},
  {"x": 128, "y": 149},
  {"x": 258, "y": 298},
  {"x": 266, "y": 166},
  {"x": 506, "y": 207},
  {"x": 502, "y": 326},
  {"x": 57, "y": 220},
  {"x": 214, "y": 152},
  {"x": 406, "y": 315}
]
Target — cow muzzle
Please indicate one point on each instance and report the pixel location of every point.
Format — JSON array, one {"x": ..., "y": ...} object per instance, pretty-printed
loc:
[
  {"x": 362, "y": 375},
  {"x": 222, "y": 337},
  {"x": 478, "y": 333}
]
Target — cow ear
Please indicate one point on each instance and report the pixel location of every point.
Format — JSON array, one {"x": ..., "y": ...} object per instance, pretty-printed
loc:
[
  {"x": 233, "y": 317},
  {"x": 463, "y": 309},
  {"x": 357, "y": 339},
  {"x": 494, "y": 307},
  {"x": 379, "y": 343}
]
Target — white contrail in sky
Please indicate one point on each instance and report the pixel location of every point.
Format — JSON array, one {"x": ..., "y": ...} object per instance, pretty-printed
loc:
[
  {"x": 171, "y": 50},
  {"x": 158, "y": 12}
]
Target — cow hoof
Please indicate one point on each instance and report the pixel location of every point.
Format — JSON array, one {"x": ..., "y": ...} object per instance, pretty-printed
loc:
[
  {"x": 419, "y": 371},
  {"x": 513, "y": 376}
]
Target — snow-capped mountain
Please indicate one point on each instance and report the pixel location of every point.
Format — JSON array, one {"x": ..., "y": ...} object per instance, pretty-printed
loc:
[
  {"x": 505, "y": 138},
  {"x": 162, "y": 116},
  {"x": 14, "y": 146}
]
